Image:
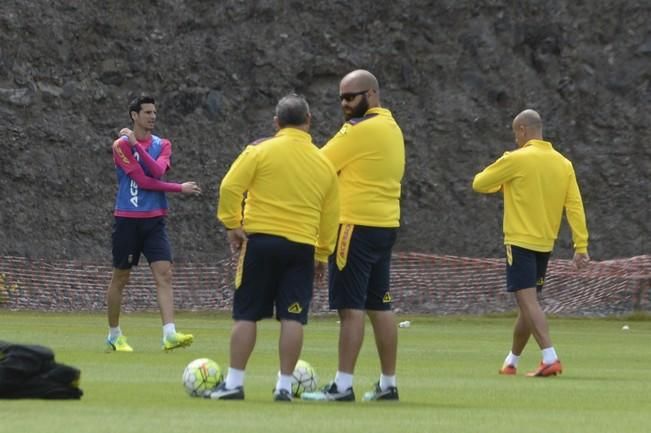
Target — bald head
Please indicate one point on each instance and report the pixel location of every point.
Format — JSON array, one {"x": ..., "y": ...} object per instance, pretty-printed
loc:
[
  {"x": 361, "y": 79},
  {"x": 527, "y": 126},
  {"x": 529, "y": 118}
]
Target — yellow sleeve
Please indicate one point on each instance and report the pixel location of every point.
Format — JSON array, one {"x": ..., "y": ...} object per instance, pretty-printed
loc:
[
  {"x": 329, "y": 223},
  {"x": 341, "y": 150},
  {"x": 576, "y": 215},
  {"x": 492, "y": 178},
  {"x": 234, "y": 185}
]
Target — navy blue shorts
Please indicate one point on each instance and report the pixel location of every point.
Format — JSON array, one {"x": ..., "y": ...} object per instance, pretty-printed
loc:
[
  {"x": 133, "y": 236},
  {"x": 359, "y": 270},
  {"x": 525, "y": 268},
  {"x": 273, "y": 272}
]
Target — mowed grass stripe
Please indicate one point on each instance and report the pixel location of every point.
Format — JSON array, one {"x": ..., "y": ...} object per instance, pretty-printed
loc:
[{"x": 447, "y": 378}]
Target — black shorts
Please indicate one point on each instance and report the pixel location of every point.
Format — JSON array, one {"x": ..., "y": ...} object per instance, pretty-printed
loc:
[
  {"x": 525, "y": 268},
  {"x": 132, "y": 236},
  {"x": 359, "y": 270},
  {"x": 273, "y": 271}
]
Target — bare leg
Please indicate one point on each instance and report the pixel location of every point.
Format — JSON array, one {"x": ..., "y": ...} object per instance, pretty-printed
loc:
[
  {"x": 521, "y": 334},
  {"x": 351, "y": 336},
  {"x": 386, "y": 339},
  {"x": 119, "y": 280},
  {"x": 243, "y": 336},
  {"x": 162, "y": 272},
  {"x": 534, "y": 316},
  {"x": 290, "y": 344}
]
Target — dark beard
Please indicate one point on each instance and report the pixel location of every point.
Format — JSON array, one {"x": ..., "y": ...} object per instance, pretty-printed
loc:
[{"x": 359, "y": 110}]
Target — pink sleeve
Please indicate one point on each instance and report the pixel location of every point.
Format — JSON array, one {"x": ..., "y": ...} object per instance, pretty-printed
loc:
[
  {"x": 123, "y": 156},
  {"x": 146, "y": 182},
  {"x": 124, "y": 159},
  {"x": 157, "y": 167}
]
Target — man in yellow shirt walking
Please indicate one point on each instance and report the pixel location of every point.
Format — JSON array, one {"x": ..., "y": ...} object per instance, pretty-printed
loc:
[
  {"x": 290, "y": 220},
  {"x": 537, "y": 183},
  {"x": 368, "y": 152}
]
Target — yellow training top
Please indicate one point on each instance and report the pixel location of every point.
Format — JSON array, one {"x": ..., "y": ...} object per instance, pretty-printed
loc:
[
  {"x": 369, "y": 154},
  {"x": 291, "y": 191},
  {"x": 537, "y": 182}
]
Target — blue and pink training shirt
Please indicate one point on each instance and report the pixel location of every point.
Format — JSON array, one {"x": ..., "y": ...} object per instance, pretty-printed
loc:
[{"x": 139, "y": 168}]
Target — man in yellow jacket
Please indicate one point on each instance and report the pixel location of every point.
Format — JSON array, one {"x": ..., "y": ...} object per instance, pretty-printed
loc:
[
  {"x": 290, "y": 220},
  {"x": 537, "y": 183},
  {"x": 368, "y": 152}
]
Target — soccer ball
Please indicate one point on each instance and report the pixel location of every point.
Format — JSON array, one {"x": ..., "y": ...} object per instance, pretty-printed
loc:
[
  {"x": 201, "y": 375},
  {"x": 304, "y": 378}
]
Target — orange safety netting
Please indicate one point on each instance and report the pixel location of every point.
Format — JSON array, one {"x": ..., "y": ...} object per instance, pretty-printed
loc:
[{"x": 421, "y": 283}]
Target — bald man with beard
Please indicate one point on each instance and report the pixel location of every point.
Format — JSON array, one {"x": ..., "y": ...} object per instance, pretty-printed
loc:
[
  {"x": 538, "y": 183},
  {"x": 368, "y": 152}
]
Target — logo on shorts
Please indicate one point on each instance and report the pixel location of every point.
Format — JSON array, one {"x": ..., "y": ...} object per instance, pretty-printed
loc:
[
  {"x": 295, "y": 308},
  {"x": 386, "y": 298},
  {"x": 130, "y": 259},
  {"x": 540, "y": 282}
]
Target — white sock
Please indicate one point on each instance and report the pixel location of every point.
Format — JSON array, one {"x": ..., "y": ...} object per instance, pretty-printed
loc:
[
  {"x": 549, "y": 356},
  {"x": 512, "y": 359},
  {"x": 234, "y": 378},
  {"x": 343, "y": 381},
  {"x": 169, "y": 329},
  {"x": 387, "y": 381},
  {"x": 284, "y": 382},
  {"x": 114, "y": 333}
]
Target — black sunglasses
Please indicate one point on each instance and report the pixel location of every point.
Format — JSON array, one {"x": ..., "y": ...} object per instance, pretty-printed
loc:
[{"x": 352, "y": 95}]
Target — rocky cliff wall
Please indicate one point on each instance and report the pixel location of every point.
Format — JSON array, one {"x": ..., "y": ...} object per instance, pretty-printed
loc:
[{"x": 454, "y": 73}]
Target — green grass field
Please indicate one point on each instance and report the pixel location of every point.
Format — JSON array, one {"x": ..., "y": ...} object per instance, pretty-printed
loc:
[{"x": 447, "y": 378}]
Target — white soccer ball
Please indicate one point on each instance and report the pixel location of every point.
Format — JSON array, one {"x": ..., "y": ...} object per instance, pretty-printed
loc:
[
  {"x": 201, "y": 375},
  {"x": 304, "y": 378}
]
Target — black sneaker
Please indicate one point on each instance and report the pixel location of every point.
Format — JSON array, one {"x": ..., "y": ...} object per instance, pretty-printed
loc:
[
  {"x": 391, "y": 393},
  {"x": 282, "y": 395},
  {"x": 330, "y": 393},
  {"x": 223, "y": 393}
]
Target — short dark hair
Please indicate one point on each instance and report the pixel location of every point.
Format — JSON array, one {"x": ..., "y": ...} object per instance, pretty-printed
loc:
[
  {"x": 292, "y": 110},
  {"x": 136, "y": 104}
]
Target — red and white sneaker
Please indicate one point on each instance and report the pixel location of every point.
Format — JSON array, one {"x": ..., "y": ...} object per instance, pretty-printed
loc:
[{"x": 508, "y": 370}]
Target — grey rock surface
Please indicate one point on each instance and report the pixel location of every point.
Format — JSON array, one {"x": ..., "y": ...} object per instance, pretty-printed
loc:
[{"x": 454, "y": 73}]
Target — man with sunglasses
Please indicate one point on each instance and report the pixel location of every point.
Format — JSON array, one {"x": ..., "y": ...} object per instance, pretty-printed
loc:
[{"x": 368, "y": 153}]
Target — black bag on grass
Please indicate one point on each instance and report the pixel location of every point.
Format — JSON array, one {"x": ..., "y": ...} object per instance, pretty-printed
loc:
[{"x": 29, "y": 371}]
